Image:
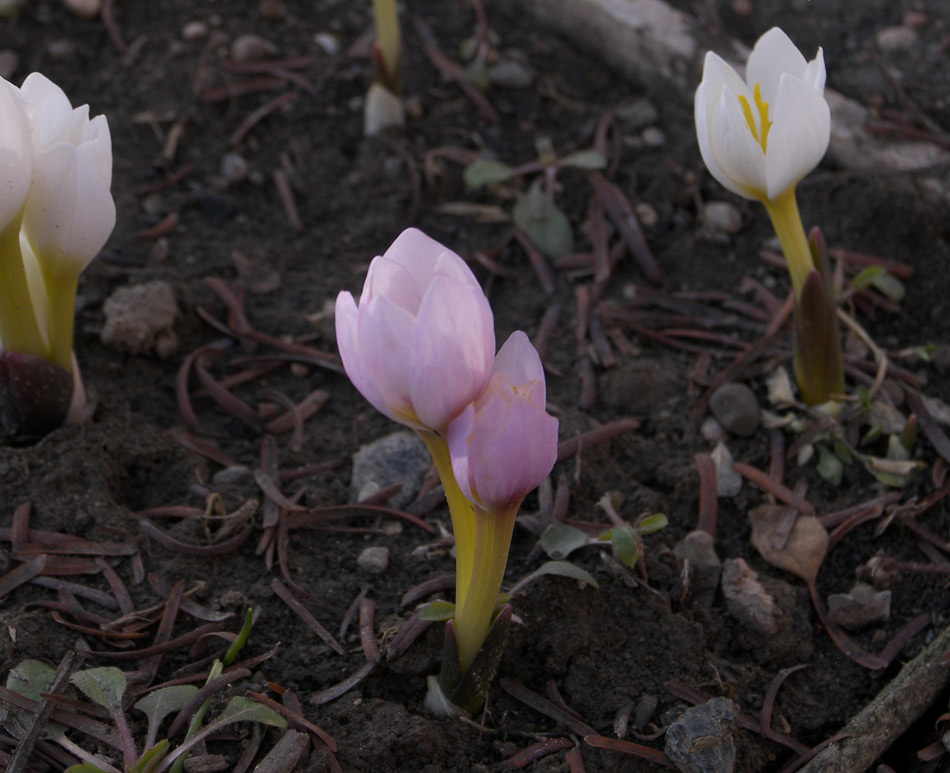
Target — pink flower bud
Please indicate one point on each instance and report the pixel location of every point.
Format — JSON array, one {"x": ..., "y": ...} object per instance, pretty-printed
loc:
[
  {"x": 504, "y": 443},
  {"x": 419, "y": 345}
]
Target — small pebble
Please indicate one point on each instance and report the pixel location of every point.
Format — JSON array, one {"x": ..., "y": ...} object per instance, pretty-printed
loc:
[
  {"x": 746, "y": 598},
  {"x": 638, "y": 114},
  {"x": 511, "y": 74},
  {"x": 401, "y": 457},
  {"x": 194, "y": 30},
  {"x": 374, "y": 560},
  {"x": 723, "y": 217},
  {"x": 646, "y": 707},
  {"x": 728, "y": 481},
  {"x": 247, "y": 48},
  {"x": 233, "y": 167},
  {"x": 915, "y": 19},
  {"x": 712, "y": 430},
  {"x": 653, "y": 137},
  {"x": 736, "y": 408},
  {"x": 860, "y": 607},
  {"x": 88, "y": 9},
  {"x": 701, "y": 740},
  {"x": 698, "y": 550},
  {"x": 893, "y": 39},
  {"x": 647, "y": 215},
  {"x": 327, "y": 42},
  {"x": 60, "y": 49},
  {"x": 233, "y": 474},
  {"x": 272, "y": 10}
]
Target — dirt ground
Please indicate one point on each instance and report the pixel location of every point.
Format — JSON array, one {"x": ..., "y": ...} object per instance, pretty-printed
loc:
[{"x": 202, "y": 185}]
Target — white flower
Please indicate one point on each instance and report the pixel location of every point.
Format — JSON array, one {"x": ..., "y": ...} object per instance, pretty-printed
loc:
[
  {"x": 69, "y": 211},
  {"x": 760, "y": 136}
]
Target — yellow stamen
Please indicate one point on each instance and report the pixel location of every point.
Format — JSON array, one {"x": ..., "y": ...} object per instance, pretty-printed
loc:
[{"x": 763, "y": 109}]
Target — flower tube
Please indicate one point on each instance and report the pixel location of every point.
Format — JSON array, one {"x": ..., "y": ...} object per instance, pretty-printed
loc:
[
  {"x": 759, "y": 137},
  {"x": 502, "y": 446}
]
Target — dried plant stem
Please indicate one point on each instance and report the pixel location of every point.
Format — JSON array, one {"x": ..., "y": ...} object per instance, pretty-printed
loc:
[{"x": 872, "y": 731}]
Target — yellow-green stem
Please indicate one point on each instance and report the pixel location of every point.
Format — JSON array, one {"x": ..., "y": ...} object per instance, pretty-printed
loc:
[
  {"x": 19, "y": 329},
  {"x": 388, "y": 40},
  {"x": 787, "y": 223},
  {"x": 61, "y": 294},
  {"x": 462, "y": 512},
  {"x": 473, "y": 618}
]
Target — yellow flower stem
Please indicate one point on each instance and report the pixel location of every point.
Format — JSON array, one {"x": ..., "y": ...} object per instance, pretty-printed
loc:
[
  {"x": 473, "y": 618},
  {"x": 462, "y": 512},
  {"x": 787, "y": 223},
  {"x": 19, "y": 329},
  {"x": 61, "y": 296}
]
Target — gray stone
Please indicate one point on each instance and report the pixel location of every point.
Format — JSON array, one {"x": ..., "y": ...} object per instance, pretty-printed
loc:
[
  {"x": 722, "y": 216},
  {"x": 747, "y": 599},
  {"x": 141, "y": 318},
  {"x": 736, "y": 408},
  {"x": 861, "y": 606},
  {"x": 701, "y": 740},
  {"x": 374, "y": 560},
  {"x": 398, "y": 458},
  {"x": 638, "y": 114},
  {"x": 891, "y": 39},
  {"x": 704, "y": 566}
]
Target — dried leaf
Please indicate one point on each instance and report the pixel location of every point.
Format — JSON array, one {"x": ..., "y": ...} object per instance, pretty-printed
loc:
[{"x": 805, "y": 548}]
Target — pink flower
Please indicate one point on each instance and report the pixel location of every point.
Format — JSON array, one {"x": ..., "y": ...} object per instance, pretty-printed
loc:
[
  {"x": 504, "y": 444},
  {"x": 419, "y": 345}
]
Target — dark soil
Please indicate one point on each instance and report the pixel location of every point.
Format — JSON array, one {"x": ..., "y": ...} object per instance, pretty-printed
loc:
[{"x": 603, "y": 649}]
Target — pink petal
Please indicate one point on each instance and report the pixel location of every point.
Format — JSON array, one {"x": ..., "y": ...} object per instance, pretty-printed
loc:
[
  {"x": 347, "y": 315},
  {"x": 518, "y": 361},
  {"x": 453, "y": 349}
]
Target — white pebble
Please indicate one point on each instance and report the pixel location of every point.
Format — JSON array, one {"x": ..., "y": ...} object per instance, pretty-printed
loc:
[
  {"x": 194, "y": 30},
  {"x": 374, "y": 560},
  {"x": 723, "y": 217},
  {"x": 896, "y": 38}
]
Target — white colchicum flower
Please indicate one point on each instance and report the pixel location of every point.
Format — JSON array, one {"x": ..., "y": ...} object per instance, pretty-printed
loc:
[
  {"x": 760, "y": 136},
  {"x": 70, "y": 212},
  {"x": 16, "y": 155}
]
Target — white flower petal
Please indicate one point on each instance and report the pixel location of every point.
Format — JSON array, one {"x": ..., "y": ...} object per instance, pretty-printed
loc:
[
  {"x": 69, "y": 213},
  {"x": 773, "y": 55},
  {"x": 737, "y": 152},
  {"x": 799, "y": 137}
]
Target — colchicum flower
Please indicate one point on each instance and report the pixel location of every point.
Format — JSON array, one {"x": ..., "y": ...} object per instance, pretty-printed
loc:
[
  {"x": 69, "y": 213},
  {"x": 758, "y": 138},
  {"x": 502, "y": 446},
  {"x": 56, "y": 213},
  {"x": 419, "y": 346}
]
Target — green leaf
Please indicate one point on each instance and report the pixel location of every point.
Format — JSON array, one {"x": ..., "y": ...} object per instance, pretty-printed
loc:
[
  {"x": 241, "y": 709},
  {"x": 104, "y": 685},
  {"x": 542, "y": 222},
  {"x": 241, "y": 639},
  {"x": 151, "y": 758},
  {"x": 889, "y": 286},
  {"x": 30, "y": 678},
  {"x": 652, "y": 523},
  {"x": 560, "y": 540},
  {"x": 626, "y": 545},
  {"x": 557, "y": 568},
  {"x": 437, "y": 611},
  {"x": 484, "y": 173},
  {"x": 159, "y": 703},
  {"x": 829, "y": 466},
  {"x": 84, "y": 767},
  {"x": 584, "y": 159},
  {"x": 866, "y": 278}
]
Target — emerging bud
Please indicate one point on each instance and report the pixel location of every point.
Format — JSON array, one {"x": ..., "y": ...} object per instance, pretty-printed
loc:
[{"x": 505, "y": 443}]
